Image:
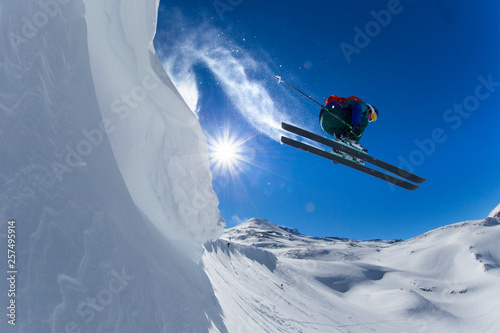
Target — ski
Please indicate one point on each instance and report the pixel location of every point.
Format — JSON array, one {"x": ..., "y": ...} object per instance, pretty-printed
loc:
[
  {"x": 353, "y": 152},
  {"x": 341, "y": 160}
]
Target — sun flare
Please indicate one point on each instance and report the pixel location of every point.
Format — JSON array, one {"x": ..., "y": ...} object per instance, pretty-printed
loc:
[
  {"x": 225, "y": 152},
  {"x": 228, "y": 153}
]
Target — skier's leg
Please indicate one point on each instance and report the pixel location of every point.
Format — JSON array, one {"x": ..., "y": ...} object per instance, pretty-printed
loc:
[{"x": 357, "y": 113}]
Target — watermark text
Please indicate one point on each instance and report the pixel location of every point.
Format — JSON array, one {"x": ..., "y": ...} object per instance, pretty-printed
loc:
[{"x": 11, "y": 271}]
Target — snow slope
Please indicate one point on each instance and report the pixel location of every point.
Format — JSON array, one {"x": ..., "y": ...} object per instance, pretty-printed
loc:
[
  {"x": 270, "y": 280},
  {"x": 105, "y": 169}
]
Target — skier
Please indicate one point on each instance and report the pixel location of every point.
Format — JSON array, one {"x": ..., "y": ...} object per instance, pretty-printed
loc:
[
  {"x": 341, "y": 112},
  {"x": 346, "y": 118}
]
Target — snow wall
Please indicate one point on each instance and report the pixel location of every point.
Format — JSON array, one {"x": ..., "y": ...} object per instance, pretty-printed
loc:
[{"x": 105, "y": 170}]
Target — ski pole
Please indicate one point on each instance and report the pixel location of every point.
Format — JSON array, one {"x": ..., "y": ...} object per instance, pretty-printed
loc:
[
  {"x": 280, "y": 80},
  {"x": 322, "y": 106}
]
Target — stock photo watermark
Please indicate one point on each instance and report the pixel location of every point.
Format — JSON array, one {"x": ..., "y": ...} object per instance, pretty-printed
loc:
[
  {"x": 73, "y": 156},
  {"x": 223, "y": 6},
  {"x": 87, "y": 310},
  {"x": 372, "y": 29},
  {"x": 454, "y": 117},
  {"x": 11, "y": 272},
  {"x": 33, "y": 24}
]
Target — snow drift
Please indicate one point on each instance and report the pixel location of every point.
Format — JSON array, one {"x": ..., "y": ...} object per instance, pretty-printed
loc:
[{"x": 105, "y": 169}]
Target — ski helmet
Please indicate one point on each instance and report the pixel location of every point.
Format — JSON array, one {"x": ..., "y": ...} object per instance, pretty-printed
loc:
[{"x": 372, "y": 113}]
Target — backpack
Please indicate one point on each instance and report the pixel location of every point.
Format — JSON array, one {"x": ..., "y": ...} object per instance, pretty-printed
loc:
[{"x": 341, "y": 100}]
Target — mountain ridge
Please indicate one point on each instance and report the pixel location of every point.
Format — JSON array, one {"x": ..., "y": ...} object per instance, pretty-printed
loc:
[{"x": 444, "y": 279}]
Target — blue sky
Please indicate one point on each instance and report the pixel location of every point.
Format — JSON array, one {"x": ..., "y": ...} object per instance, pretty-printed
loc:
[{"x": 430, "y": 67}]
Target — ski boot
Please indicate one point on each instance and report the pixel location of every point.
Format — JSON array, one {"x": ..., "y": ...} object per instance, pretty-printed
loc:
[{"x": 349, "y": 139}]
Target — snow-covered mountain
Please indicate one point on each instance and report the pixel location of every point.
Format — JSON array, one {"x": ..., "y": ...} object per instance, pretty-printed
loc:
[
  {"x": 269, "y": 279},
  {"x": 104, "y": 170}
]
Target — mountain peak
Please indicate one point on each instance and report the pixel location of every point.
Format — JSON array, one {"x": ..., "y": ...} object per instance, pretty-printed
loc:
[
  {"x": 495, "y": 212},
  {"x": 256, "y": 231},
  {"x": 258, "y": 224}
]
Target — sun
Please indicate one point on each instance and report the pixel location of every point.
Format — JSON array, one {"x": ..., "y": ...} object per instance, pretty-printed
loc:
[{"x": 228, "y": 152}]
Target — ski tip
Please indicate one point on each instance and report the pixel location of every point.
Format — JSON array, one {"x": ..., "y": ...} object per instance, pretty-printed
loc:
[
  {"x": 277, "y": 78},
  {"x": 410, "y": 176},
  {"x": 420, "y": 180}
]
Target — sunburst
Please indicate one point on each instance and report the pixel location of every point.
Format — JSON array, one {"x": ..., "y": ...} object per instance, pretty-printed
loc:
[{"x": 228, "y": 153}]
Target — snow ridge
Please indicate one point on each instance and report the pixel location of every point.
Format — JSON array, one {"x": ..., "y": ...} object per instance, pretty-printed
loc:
[
  {"x": 105, "y": 170},
  {"x": 157, "y": 141},
  {"x": 495, "y": 212}
]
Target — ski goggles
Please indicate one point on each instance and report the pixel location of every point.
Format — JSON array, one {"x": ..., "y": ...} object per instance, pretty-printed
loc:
[{"x": 372, "y": 114}]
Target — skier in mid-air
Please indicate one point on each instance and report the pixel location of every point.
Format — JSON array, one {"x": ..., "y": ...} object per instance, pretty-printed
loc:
[{"x": 346, "y": 118}]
